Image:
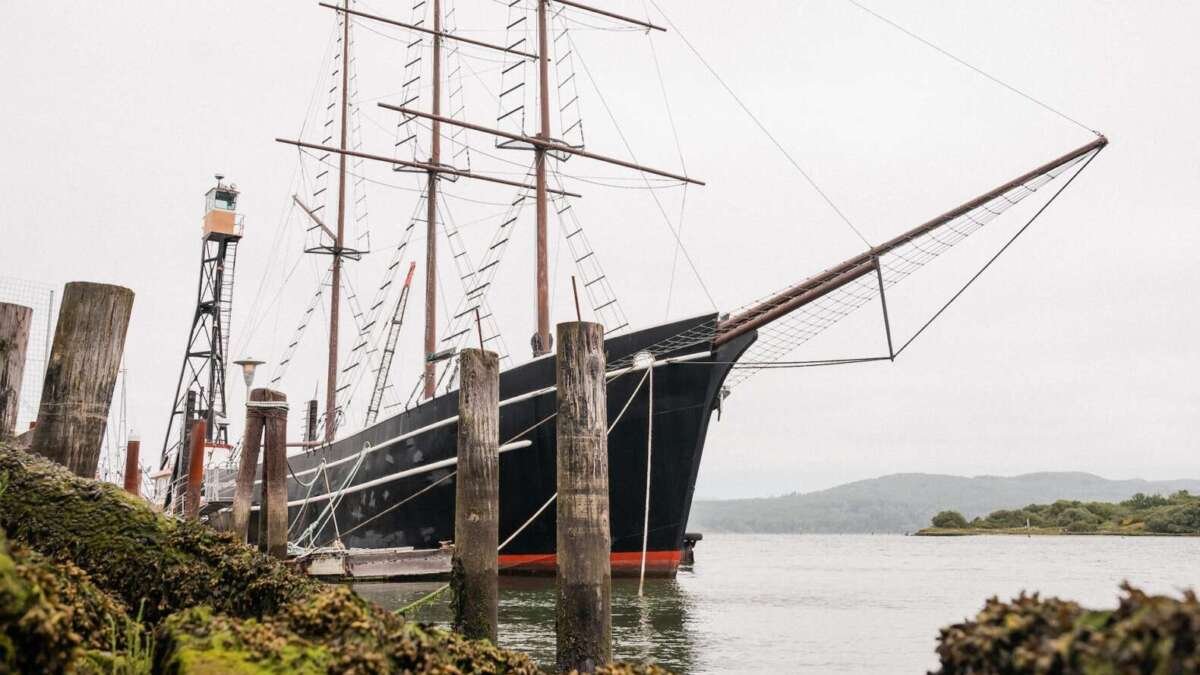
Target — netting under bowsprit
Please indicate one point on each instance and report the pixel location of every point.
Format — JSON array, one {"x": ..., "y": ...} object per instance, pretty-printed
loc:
[
  {"x": 40, "y": 298},
  {"x": 782, "y": 336}
]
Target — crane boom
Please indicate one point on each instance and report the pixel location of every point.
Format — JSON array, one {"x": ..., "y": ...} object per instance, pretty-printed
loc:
[{"x": 389, "y": 348}]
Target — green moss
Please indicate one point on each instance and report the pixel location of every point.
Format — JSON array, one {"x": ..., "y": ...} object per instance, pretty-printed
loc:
[
  {"x": 336, "y": 631},
  {"x": 50, "y": 612},
  {"x": 132, "y": 551},
  {"x": 199, "y": 642}
]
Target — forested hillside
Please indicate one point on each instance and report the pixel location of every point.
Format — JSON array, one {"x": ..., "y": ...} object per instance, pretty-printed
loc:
[{"x": 906, "y": 502}]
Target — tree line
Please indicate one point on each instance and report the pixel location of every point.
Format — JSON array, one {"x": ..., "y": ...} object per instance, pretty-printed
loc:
[{"x": 1178, "y": 513}]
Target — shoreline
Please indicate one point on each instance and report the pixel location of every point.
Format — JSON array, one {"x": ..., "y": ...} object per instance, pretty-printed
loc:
[{"x": 1037, "y": 531}]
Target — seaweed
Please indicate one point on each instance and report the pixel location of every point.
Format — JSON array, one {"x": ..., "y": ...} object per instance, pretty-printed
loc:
[
  {"x": 1030, "y": 635},
  {"x": 50, "y": 612},
  {"x": 134, "y": 552}
]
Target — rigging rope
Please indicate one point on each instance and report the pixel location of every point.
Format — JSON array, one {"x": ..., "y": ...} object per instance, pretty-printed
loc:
[
  {"x": 662, "y": 86},
  {"x": 961, "y": 62},
  {"x": 998, "y": 253},
  {"x": 653, "y": 193},
  {"x": 779, "y": 365},
  {"x": 794, "y": 329},
  {"x": 761, "y": 126}
]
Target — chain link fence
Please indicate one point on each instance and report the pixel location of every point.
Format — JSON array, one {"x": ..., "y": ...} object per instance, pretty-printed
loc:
[{"x": 41, "y": 298}]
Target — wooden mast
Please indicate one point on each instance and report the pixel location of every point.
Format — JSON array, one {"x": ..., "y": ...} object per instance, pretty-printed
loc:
[
  {"x": 542, "y": 144},
  {"x": 335, "y": 296},
  {"x": 542, "y": 341},
  {"x": 435, "y": 159}
]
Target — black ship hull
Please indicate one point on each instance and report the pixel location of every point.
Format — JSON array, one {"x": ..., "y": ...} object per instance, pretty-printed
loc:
[{"x": 390, "y": 482}]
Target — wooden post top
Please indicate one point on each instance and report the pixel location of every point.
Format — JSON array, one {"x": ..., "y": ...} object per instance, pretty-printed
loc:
[
  {"x": 473, "y": 353},
  {"x": 580, "y": 325},
  {"x": 93, "y": 287}
]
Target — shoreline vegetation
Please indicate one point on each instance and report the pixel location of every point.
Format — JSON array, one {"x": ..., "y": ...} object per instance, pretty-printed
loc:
[
  {"x": 93, "y": 580},
  {"x": 1176, "y": 515},
  {"x": 903, "y": 503}
]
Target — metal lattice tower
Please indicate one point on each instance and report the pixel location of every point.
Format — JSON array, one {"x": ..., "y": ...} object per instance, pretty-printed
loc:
[{"x": 200, "y": 392}]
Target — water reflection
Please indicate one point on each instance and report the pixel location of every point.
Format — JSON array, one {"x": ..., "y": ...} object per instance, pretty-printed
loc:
[
  {"x": 802, "y": 603},
  {"x": 653, "y": 628}
]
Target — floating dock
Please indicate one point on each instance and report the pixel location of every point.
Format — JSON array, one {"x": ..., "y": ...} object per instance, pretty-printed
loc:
[{"x": 375, "y": 564}]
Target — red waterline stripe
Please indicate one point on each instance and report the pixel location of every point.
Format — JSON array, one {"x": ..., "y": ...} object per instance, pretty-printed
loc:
[{"x": 620, "y": 560}]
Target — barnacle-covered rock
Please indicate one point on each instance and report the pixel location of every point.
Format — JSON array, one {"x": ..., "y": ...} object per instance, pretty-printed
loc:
[
  {"x": 1035, "y": 636},
  {"x": 51, "y": 614},
  {"x": 133, "y": 552}
]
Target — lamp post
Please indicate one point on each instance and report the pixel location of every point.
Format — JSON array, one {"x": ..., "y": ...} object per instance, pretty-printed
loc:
[{"x": 249, "y": 365}]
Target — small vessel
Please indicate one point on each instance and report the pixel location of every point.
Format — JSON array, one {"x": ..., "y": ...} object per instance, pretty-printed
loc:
[{"x": 390, "y": 484}]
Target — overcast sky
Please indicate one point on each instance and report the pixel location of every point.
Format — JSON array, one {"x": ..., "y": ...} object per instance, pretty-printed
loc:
[{"x": 1076, "y": 351}]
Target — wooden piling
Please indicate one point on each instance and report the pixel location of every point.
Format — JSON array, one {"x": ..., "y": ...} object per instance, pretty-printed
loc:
[
  {"x": 84, "y": 361},
  {"x": 243, "y": 492},
  {"x": 273, "y": 535},
  {"x": 477, "y": 496},
  {"x": 310, "y": 422},
  {"x": 185, "y": 452},
  {"x": 14, "y": 340},
  {"x": 195, "y": 470},
  {"x": 133, "y": 467},
  {"x": 583, "y": 620}
]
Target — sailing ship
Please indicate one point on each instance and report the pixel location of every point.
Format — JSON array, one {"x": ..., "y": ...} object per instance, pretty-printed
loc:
[{"x": 391, "y": 483}]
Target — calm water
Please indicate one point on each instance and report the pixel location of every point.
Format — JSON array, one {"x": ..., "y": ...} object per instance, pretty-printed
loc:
[{"x": 829, "y": 603}]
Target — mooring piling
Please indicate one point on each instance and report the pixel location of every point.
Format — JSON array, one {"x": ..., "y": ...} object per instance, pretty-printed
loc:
[
  {"x": 14, "y": 340},
  {"x": 477, "y": 496},
  {"x": 310, "y": 421},
  {"x": 84, "y": 362},
  {"x": 133, "y": 466},
  {"x": 195, "y": 469},
  {"x": 179, "y": 494},
  {"x": 243, "y": 489},
  {"x": 273, "y": 535},
  {"x": 583, "y": 620}
]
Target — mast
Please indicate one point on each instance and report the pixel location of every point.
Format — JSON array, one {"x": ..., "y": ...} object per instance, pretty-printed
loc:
[
  {"x": 542, "y": 341},
  {"x": 542, "y": 144},
  {"x": 335, "y": 296},
  {"x": 435, "y": 159}
]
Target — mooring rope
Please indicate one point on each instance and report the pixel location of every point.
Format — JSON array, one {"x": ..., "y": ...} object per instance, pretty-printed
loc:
[
  {"x": 441, "y": 589},
  {"x": 400, "y": 503},
  {"x": 423, "y": 600},
  {"x": 649, "y": 455},
  {"x": 307, "y": 494},
  {"x": 315, "y": 528},
  {"x": 336, "y": 531}
]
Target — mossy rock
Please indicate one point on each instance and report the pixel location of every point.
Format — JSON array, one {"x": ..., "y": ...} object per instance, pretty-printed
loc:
[
  {"x": 335, "y": 631},
  {"x": 52, "y": 615},
  {"x": 1144, "y": 635},
  {"x": 134, "y": 552}
]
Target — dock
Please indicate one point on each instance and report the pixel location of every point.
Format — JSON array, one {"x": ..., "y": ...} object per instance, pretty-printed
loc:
[{"x": 375, "y": 564}]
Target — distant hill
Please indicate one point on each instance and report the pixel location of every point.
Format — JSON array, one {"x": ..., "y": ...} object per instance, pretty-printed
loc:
[{"x": 905, "y": 502}]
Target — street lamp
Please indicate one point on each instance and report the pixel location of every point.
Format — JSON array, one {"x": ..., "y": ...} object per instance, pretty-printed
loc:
[{"x": 249, "y": 365}]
